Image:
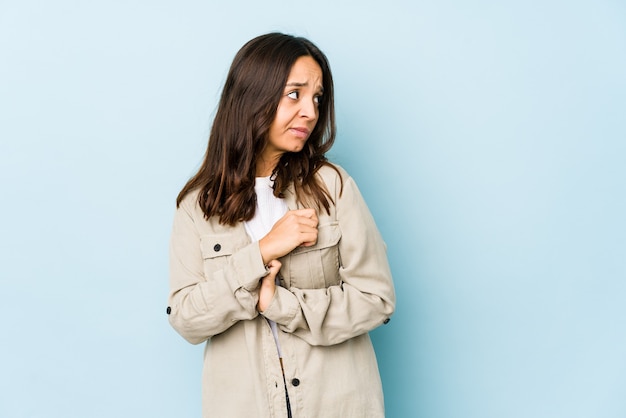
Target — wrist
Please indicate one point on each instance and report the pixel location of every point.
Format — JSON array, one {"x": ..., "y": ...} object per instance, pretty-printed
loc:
[
  {"x": 266, "y": 295},
  {"x": 266, "y": 254}
]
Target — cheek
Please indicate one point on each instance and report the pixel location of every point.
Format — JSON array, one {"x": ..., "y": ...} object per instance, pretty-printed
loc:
[
  {"x": 282, "y": 113},
  {"x": 317, "y": 118}
]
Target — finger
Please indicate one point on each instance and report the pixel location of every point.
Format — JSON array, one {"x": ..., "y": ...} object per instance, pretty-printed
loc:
[
  {"x": 309, "y": 239},
  {"x": 274, "y": 267},
  {"x": 274, "y": 264},
  {"x": 308, "y": 222},
  {"x": 307, "y": 213}
]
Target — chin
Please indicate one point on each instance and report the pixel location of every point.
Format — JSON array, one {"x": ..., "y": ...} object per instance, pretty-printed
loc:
[{"x": 297, "y": 149}]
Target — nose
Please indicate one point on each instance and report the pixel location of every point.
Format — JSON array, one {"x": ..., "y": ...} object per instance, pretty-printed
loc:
[{"x": 308, "y": 109}]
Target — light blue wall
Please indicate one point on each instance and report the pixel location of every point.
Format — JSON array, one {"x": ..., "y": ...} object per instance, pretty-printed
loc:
[{"x": 488, "y": 137}]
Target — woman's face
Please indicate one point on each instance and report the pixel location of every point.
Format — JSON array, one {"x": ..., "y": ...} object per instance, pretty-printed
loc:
[{"x": 297, "y": 111}]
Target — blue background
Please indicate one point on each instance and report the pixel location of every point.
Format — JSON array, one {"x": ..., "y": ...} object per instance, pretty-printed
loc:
[{"x": 488, "y": 138}]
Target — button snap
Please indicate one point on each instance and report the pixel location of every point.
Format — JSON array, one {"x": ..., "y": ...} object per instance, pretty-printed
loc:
[
  {"x": 168, "y": 310},
  {"x": 217, "y": 247},
  {"x": 295, "y": 382},
  {"x": 386, "y": 321}
]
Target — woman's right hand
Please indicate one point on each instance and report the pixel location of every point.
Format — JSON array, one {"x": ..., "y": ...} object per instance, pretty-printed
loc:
[
  {"x": 268, "y": 286},
  {"x": 296, "y": 228}
]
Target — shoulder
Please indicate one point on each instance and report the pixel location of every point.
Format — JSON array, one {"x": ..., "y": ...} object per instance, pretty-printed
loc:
[
  {"x": 341, "y": 185},
  {"x": 333, "y": 170},
  {"x": 333, "y": 176},
  {"x": 190, "y": 212},
  {"x": 189, "y": 203},
  {"x": 189, "y": 207}
]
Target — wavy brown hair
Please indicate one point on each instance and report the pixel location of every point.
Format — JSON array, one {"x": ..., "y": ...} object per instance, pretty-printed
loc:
[{"x": 247, "y": 108}]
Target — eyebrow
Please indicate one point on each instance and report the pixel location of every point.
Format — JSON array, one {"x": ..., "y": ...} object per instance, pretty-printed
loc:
[{"x": 298, "y": 84}]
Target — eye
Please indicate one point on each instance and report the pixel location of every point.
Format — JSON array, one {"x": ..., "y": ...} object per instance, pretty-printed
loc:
[
  {"x": 293, "y": 95},
  {"x": 317, "y": 99}
]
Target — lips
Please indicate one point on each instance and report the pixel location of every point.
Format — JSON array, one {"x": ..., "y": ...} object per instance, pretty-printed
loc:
[{"x": 300, "y": 132}]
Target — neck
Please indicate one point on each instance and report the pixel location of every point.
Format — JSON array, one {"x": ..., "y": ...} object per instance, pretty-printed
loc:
[{"x": 265, "y": 166}]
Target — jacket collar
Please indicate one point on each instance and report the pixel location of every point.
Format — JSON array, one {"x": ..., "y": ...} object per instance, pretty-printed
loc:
[{"x": 290, "y": 197}]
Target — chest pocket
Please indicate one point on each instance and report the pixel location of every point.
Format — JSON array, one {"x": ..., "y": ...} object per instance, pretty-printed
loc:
[
  {"x": 216, "y": 249},
  {"x": 317, "y": 266}
]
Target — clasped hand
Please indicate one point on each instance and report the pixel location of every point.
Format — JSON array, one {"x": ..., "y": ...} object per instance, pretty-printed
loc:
[{"x": 296, "y": 228}]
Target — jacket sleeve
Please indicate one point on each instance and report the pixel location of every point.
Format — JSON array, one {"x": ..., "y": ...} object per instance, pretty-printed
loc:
[
  {"x": 363, "y": 300},
  {"x": 206, "y": 301}
]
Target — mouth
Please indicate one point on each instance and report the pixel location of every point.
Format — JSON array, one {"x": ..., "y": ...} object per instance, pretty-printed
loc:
[{"x": 300, "y": 132}]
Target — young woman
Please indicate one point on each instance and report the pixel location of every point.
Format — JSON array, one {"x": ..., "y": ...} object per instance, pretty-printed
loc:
[{"x": 275, "y": 260}]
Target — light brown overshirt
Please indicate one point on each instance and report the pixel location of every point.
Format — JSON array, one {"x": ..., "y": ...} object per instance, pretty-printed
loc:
[{"x": 332, "y": 294}]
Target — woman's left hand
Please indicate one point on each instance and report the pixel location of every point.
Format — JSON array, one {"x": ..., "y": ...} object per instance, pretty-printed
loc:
[{"x": 268, "y": 285}]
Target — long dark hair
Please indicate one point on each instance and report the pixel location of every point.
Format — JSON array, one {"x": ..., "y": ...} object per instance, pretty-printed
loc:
[{"x": 247, "y": 107}]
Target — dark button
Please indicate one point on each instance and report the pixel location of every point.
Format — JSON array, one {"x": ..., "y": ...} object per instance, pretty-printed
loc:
[
  {"x": 217, "y": 247},
  {"x": 169, "y": 310},
  {"x": 295, "y": 382},
  {"x": 386, "y": 321}
]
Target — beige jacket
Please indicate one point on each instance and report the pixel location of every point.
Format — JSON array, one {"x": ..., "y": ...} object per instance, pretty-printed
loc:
[{"x": 332, "y": 294}]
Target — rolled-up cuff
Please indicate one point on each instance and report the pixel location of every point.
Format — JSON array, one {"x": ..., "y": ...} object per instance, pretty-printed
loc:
[{"x": 249, "y": 267}]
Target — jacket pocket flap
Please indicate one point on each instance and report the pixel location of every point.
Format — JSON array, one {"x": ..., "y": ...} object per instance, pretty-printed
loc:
[
  {"x": 217, "y": 245},
  {"x": 328, "y": 235}
]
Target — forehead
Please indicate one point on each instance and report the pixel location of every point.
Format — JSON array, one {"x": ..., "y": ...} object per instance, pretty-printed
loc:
[{"x": 306, "y": 71}]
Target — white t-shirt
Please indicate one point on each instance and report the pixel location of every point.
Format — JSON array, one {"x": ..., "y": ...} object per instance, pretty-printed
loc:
[{"x": 269, "y": 209}]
